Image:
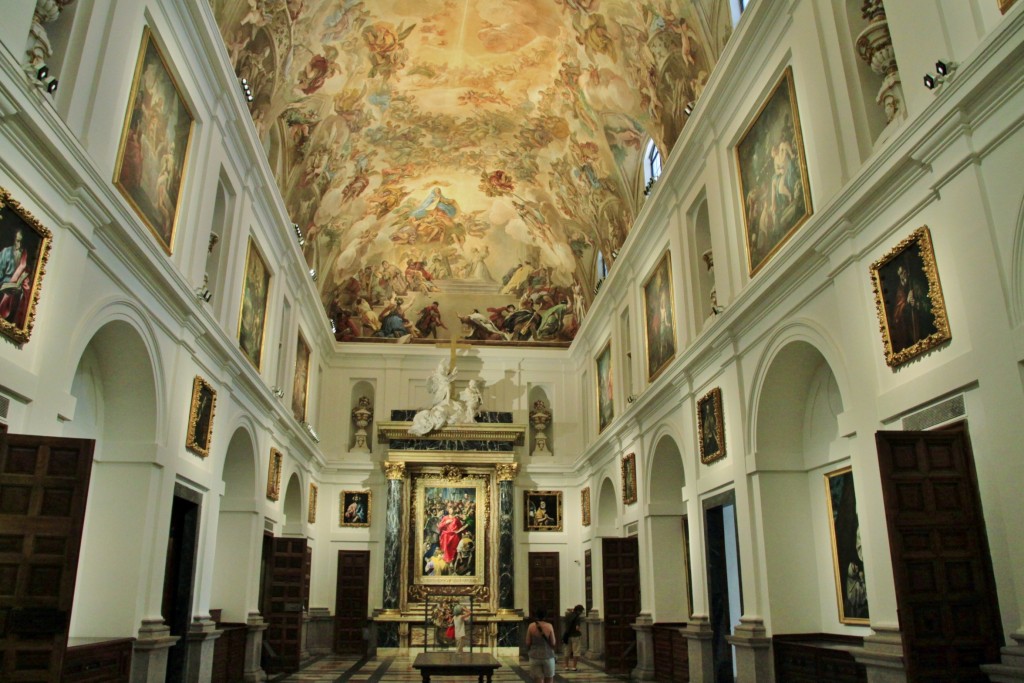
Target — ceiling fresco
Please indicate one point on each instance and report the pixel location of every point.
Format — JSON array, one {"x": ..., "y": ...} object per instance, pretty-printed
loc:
[{"x": 455, "y": 166}]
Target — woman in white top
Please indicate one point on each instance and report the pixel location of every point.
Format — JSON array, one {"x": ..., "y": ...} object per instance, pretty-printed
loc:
[{"x": 540, "y": 639}]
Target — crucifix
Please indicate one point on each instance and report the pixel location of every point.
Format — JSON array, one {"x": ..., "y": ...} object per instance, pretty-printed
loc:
[{"x": 454, "y": 344}]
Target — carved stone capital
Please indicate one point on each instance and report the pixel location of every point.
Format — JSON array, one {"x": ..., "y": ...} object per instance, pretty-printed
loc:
[
  {"x": 507, "y": 471},
  {"x": 394, "y": 470}
]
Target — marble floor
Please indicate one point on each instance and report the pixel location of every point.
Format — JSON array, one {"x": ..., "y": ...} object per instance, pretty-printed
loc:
[{"x": 341, "y": 669}]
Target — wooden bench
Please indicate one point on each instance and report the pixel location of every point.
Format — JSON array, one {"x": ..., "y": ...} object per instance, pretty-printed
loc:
[{"x": 456, "y": 664}]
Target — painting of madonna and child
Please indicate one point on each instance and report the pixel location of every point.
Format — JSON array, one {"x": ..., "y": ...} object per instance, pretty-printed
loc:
[{"x": 451, "y": 523}]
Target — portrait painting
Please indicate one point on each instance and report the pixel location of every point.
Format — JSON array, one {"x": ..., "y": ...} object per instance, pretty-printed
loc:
[
  {"x": 24, "y": 251},
  {"x": 252, "y": 316},
  {"x": 542, "y": 510},
  {"x": 274, "y": 474},
  {"x": 200, "y": 417},
  {"x": 605, "y": 397},
  {"x": 908, "y": 297},
  {"x": 629, "y": 479},
  {"x": 151, "y": 160},
  {"x": 355, "y": 508},
  {"x": 774, "y": 189},
  {"x": 313, "y": 491},
  {"x": 659, "y": 318},
  {"x": 585, "y": 505},
  {"x": 450, "y": 530},
  {"x": 847, "y": 555},
  {"x": 300, "y": 384},
  {"x": 711, "y": 426}
]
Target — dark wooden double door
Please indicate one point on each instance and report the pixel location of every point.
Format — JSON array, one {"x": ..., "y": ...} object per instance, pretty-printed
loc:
[
  {"x": 351, "y": 601},
  {"x": 285, "y": 600}
]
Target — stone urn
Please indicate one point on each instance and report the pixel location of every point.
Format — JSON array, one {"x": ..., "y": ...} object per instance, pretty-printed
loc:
[
  {"x": 540, "y": 418},
  {"x": 874, "y": 45},
  {"x": 362, "y": 415}
]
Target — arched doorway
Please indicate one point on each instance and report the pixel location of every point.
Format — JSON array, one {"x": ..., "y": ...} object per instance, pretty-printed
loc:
[
  {"x": 667, "y": 551},
  {"x": 239, "y": 533}
]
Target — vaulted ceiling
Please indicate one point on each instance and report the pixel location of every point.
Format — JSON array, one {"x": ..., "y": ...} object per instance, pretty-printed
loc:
[{"x": 474, "y": 153}]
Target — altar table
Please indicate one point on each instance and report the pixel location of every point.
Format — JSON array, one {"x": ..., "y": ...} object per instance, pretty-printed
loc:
[{"x": 455, "y": 664}]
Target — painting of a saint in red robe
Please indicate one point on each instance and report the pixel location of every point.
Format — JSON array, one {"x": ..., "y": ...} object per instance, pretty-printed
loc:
[
  {"x": 24, "y": 249},
  {"x": 452, "y": 533}
]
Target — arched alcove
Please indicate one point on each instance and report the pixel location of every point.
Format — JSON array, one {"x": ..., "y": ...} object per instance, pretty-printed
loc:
[
  {"x": 539, "y": 401},
  {"x": 363, "y": 397},
  {"x": 606, "y": 520},
  {"x": 668, "y": 551},
  {"x": 239, "y": 530},
  {"x": 702, "y": 262},
  {"x": 293, "y": 517},
  {"x": 112, "y": 569}
]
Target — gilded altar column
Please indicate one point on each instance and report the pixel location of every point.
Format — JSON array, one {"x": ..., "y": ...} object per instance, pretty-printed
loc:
[
  {"x": 506, "y": 543},
  {"x": 395, "y": 472}
]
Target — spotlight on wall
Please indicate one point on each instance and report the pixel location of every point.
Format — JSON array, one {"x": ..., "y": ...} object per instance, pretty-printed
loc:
[
  {"x": 246, "y": 90},
  {"x": 203, "y": 294},
  {"x": 334, "y": 328},
  {"x": 43, "y": 72},
  {"x": 298, "y": 234},
  {"x": 312, "y": 273},
  {"x": 51, "y": 85},
  {"x": 932, "y": 82},
  {"x": 688, "y": 109},
  {"x": 277, "y": 391},
  {"x": 945, "y": 68},
  {"x": 312, "y": 432},
  {"x": 944, "y": 71}
]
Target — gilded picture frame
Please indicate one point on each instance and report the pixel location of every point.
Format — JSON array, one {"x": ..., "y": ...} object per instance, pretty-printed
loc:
[
  {"x": 659, "y": 318},
  {"x": 300, "y": 383},
  {"x": 908, "y": 298},
  {"x": 451, "y": 522},
  {"x": 538, "y": 507},
  {"x": 200, "y": 417},
  {"x": 605, "y": 393},
  {"x": 628, "y": 466},
  {"x": 356, "y": 508},
  {"x": 313, "y": 493},
  {"x": 155, "y": 141},
  {"x": 775, "y": 191},
  {"x": 847, "y": 559},
  {"x": 274, "y": 472},
  {"x": 711, "y": 426},
  {"x": 1005, "y": 5},
  {"x": 24, "y": 252},
  {"x": 585, "y": 505},
  {"x": 252, "y": 310}
]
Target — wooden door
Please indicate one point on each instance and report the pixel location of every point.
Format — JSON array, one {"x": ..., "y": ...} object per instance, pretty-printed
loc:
[
  {"x": 179, "y": 577},
  {"x": 945, "y": 587},
  {"x": 543, "y": 583},
  {"x": 288, "y": 592},
  {"x": 43, "y": 486},
  {"x": 621, "y": 559},
  {"x": 351, "y": 601}
]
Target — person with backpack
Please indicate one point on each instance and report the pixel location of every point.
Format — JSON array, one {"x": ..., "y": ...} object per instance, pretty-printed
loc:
[{"x": 573, "y": 639}]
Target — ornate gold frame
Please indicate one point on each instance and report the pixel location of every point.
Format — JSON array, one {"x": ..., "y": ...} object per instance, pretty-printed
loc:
[
  {"x": 606, "y": 350},
  {"x": 664, "y": 262},
  {"x": 344, "y": 503},
  {"x": 628, "y": 466},
  {"x": 585, "y": 505},
  {"x": 300, "y": 344},
  {"x": 539, "y": 497},
  {"x": 840, "y": 578},
  {"x": 252, "y": 250},
  {"x": 20, "y": 333},
  {"x": 274, "y": 474},
  {"x": 450, "y": 477},
  {"x": 200, "y": 389},
  {"x": 715, "y": 397},
  {"x": 313, "y": 492}
]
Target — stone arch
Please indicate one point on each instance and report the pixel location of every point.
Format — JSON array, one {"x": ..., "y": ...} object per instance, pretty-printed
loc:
[
  {"x": 294, "y": 517},
  {"x": 607, "y": 512},
  {"x": 666, "y": 549},
  {"x": 1017, "y": 270}
]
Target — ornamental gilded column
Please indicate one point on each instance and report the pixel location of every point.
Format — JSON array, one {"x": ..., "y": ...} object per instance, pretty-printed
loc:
[
  {"x": 506, "y": 474},
  {"x": 395, "y": 472}
]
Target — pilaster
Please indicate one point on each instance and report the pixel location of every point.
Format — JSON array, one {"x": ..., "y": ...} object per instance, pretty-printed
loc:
[
  {"x": 252, "y": 672},
  {"x": 202, "y": 639},
  {"x": 319, "y": 631},
  {"x": 883, "y": 656},
  {"x": 1011, "y": 667},
  {"x": 149, "y": 654},
  {"x": 753, "y": 651},
  {"x": 595, "y": 636},
  {"x": 644, "y": 627},
  {"x": 699, "y": 634},
  {"x": 396, "y": 473}
]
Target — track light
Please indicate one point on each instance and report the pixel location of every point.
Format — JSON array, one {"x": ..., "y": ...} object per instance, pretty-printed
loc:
[
  {"x": 334, "y": 328},
  {"x": 932, "y": 82},
  {"x": 688, "y": 109},
  {"x": 43, "y": 72},
  {"x": 944, "y": 71},
  {"x": 51, "y": 86},
  {"x": 945, "y": 68},
  {"x": 203, "y": 294},
  {"x": 277, "y": 391},
  {"x": 312, "y": 273},
  {"x": 246, "y": 90},
  {"x": 298, "y": 234}
]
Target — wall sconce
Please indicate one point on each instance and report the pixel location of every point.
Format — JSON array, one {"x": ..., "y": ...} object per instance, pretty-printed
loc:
[{"x": 246, "y": 90}]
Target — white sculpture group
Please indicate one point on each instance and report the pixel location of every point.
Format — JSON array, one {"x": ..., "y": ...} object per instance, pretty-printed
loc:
[{"x": 446, "y": 411}]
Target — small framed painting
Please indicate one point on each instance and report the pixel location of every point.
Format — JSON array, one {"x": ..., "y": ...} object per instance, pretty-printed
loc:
[
  {"x": 355, "y": 508},
  {"x": 200, "y": 417},
  {"x": 542, "y": 510},
  {"x": 605, "y": 397},
  {"x": 313, "y": 491},
  {"x": 629, "y": 479},
  {"x": 847, "y": 556},
  {"x": 24, "y": 250},
  {"x": 274, "y": 474},
  {"x": 1005, "y": 5},
  {"x": 711, "y": 426},
  {"x": 660, "y": 329},
  {"x": 908, "y": 297},
  {"x": 300, "y": 385},
  {"x": 585, "y": 505},
  {"x": 252, "y": 315},
  {"x": 153, "y": 154}
]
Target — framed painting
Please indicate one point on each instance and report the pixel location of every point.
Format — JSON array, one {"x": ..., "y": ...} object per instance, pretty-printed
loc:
[
  {"x": 300, "y": 385},
  {"x": 155, "y": 139},
  {"x": 450, "y": 530},
  {"x": 774, "y": 189},
  {"x": 542, "y": 510},
  {"x": 585, "y": 505},
  {"x": 711, "y": 426},
  {"x": 313, "y": 492},
  {"x": 274, "y": 474},
  {"x": 629, "y": 479},
  {"x": 659, "y": 318},
  {"x": 908, "y": 296},
  {"x": 847, "y": 556},
  {"x": 24, "y": 250},
  {"x": 605, "y": 397},
  {"x": 355, "y": 508},
  {"x": 1005, "y": 5},
  {"x": 200, "y": 417},
  {"x": 252, "y": 314}
]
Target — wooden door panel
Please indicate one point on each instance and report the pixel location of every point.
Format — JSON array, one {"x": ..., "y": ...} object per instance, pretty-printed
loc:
[
  {"x": 352, "y": 599},
  {"x": 543, "y": 584},
  {"x": 620, "y": 557},
  {"x": 288, "y": 585}
]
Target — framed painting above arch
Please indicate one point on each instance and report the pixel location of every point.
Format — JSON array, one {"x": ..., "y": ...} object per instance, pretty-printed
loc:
[
  {"x": 200, "y": 417},
  {"x": 711, "y": 426},
  {"x": 659, "y": 318},
  {"x": 24, "y": 250}
]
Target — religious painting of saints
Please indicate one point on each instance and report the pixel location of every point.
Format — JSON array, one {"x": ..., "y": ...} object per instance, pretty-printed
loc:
[
  {"x": 450, "y": 531},
  {"x": 711, "y": 426},
  {"x": 200, "y": 417},
  {"x": 542, "y": 510},
  {"x": 355, "y": 508},
  {"x": 274, "y": 474},
  {"x": 908, "y": 296},
  {"x": 629, "y": 479},
  {"x": 847, "y": 556},
  {"x": 659, "y": 317},
  {"x": 605, "y": 400},
  {"x": 154, "y": 147},
  {"x": 774, "y": 189},
  {"x": 313, "y": 492},
  {"x": 252, "y": 314},
  {"x": 585, "y": 505},
  {"x": 24, "y": 250},
  {"x": 300, "y": 385}
]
